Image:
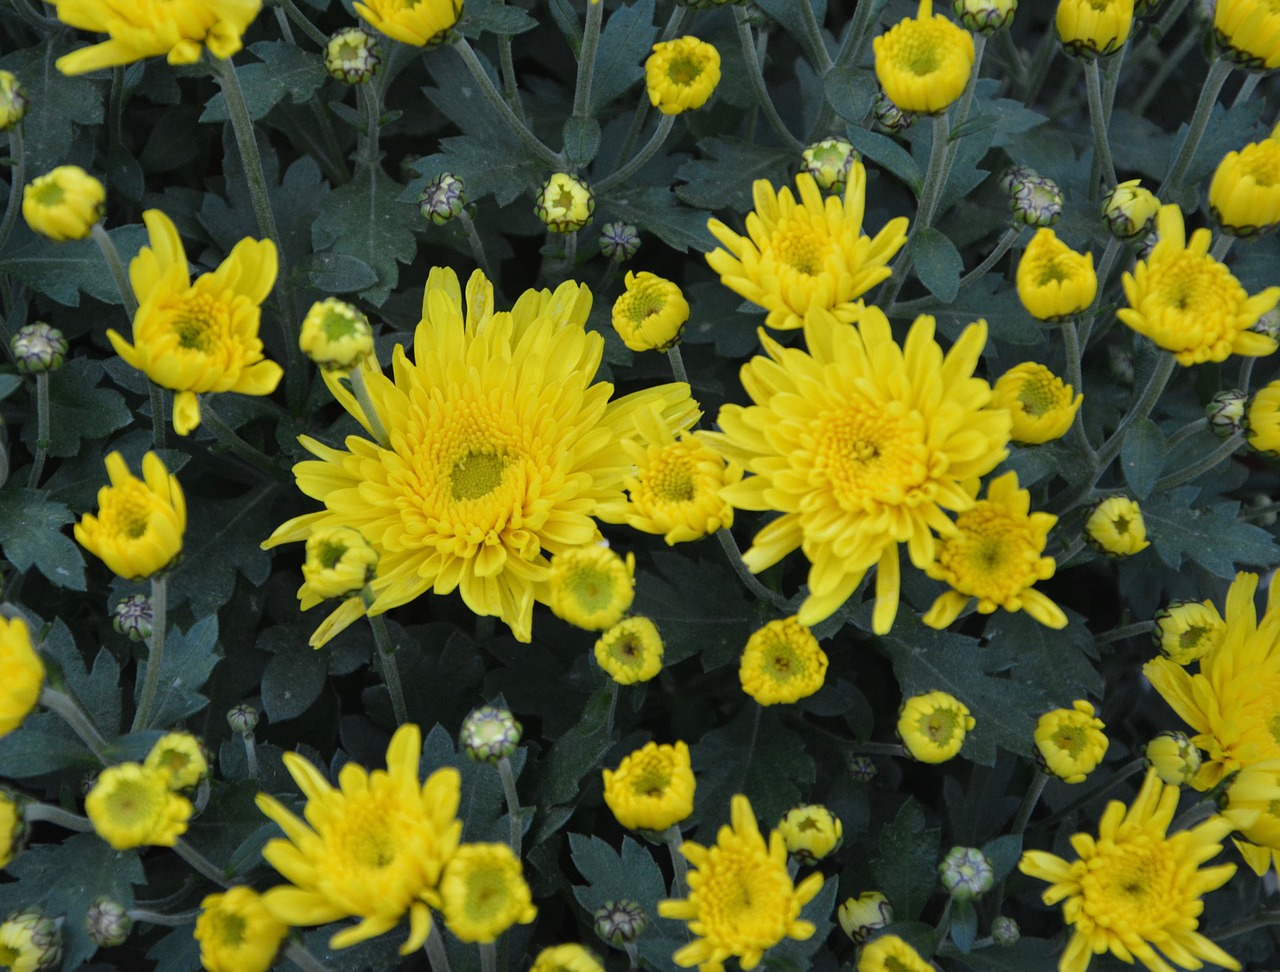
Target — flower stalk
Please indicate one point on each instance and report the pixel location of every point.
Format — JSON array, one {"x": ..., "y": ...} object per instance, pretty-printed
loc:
[
  {"x": 42, "y": 429},
  {"x": 69, "y": 710},
  {"x": 155, "y": 654},
  {"x": 754, "y": 74},
  {"x": 508, "y": 777},
  {"x": 530, "y": 141},
  {"x": 387, "y": 660},
  {"x": 1098, "y": 121},
  {"x": 1213, "y": 82}
]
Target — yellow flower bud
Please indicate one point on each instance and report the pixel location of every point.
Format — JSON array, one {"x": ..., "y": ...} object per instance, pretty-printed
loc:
[
  {"x": 811, "y": 832},
  {"x": 1175, "y": 758},
  {"x": 1040, "y": 404},
  {"x": 1129, "y": 210},
  {"x": 1186, "y": 631},
  {"x": 924, "y": 62},
  {"x": 64, "y": 204},
  {"x": 1054, "y": 281},
  {"x": 1116, "y": 527},
  {"x": 681, "y": 74},
  {"x": 652, "y": 789},
  {"x": 864, "y": 915},
  {"x": 651, "y": 313},
  {"x": 565, "y": 203},
  {"x": 13, "y": 101},
  {"x": 340, "y": 562},
  {"x": 335, "y": 335},
  {"x": 1070, "y": 743},
  {"x": 1247, "y": 32},
  {"x": 932, "y": 726},
  {"x": 1089, "y": 28}
]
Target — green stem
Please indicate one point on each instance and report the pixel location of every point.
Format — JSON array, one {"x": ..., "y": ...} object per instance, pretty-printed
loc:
[
  {"x": 1066, "y": 556},
  {"x": 250, "y": 753},
  {"x": 1246, "y": 89},
  {"x": 286, "y": 31},
  {"x": 299, "y": 956},
  {"x": 42, "y": 429},
  {"x": 1038, "y": 70},
  {"x": 1075, "y": 378},
  {"x": 877, "y": 749},
  {"x": 1213, "y": 82},
  {"x": 1110, "y": 82},
  {"x": 155, "y": 657},
  {"x": 507, "y": 71},
  {"x": 1187, "y": 431},
  {"x": 1263, "y": 920},
  {"x": 231, "y": 441},
  {"x": 659, "y": 136},
  {"x": 1095, "y": 790},
  {"x": 530, "y": 141},
  {"x": 201, "y": 863},
  {"x": 817, "y": 47},
  {"x": 1098, "y": 120},
  {"x": 749, "y": 580},
  {"x": 936, "y": 175},
  {"x": 17, "y": 176},
  {"x": 1128, "y": 631},
  {"x": 371, "y": 111},
  {"x": 1197, "y": 469},
  {"x": 118, "y": 274},
  {"x": 47, "y": 813},
  {"x": 756, "y": 77},
  {"x": 848, "y": 53},
  {"x": 437, "y": 957},
  {"x": 159, "y": 413},
  {"x": 679, "y": 866},
  {"x": 676, "y": 359},
  {"x": 306, "y": 26},
  {"x": 1221, "y": 246},
  {"x": 69, "y": 710},
  {"x": 386, "y": 660},
  {"x": 166, "y": 921},
  {"x": 587, "y": 59},
  {"x": 613, "y": 707},
  {"x": 944, "y": 923},
  {"x": 508, "y": 777},
  {"x": 477, "y": 245},
  {"x": 1168, "y": 65},
  {"x": 1029, "y": 801},
  {"x": 966, "y": 99},
  {"x": 1246, "y": 373},
  {"x": 488, "y": 953},
  {"x": 1196, "y": 813}
]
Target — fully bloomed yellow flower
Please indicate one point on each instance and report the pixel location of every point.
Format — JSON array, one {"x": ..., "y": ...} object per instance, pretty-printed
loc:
[
  {"x": 1253, "y": 807},
  {"x": 652, "y": 789},
  {"x": 1054, "y": 281},
  {"x": 1244, "y": 195},
  {"x": 804, "y": 254},
  {"x": 1248, "y": 31},
  {"x": 1188, "y": 303},
  {"x": 132, "y": 805},
  {"x": 237, "y": 933},
  {"x": 1070, "y": 742},
  {"x": 374, "y": 848},
  {"x": 499, "y": 450},
  {"x": 932, "y": 726},
  {"x": 1094, "y": 27},
  {"x": 996, "y": 555},
  {"x": 782, "y": 663},
  {"x": 200, "y": 337},
  {"x": 484, "y": 892},
  {"x": 140, "y": 522},
  {"x": 630, "y": 651},
  {"x": 21, "y": 674},
  {"x": 651, "y": 313},
  {"x": 742, "y": 901},
  {"x": 591, "y": 587},
  {"x": 1134, "y": 889},
  {"x": 64, "y": 203},
  {"x": 924, "y": 62},
  {"x": 1262, "y": 419},
  {"x": 1040, "y": 404},
  {"x": 179, "y": 29},
  {"x": 861, "y": 444},
  {"x": 681, "y": 74},
  {"x": 422, "y": 23}
]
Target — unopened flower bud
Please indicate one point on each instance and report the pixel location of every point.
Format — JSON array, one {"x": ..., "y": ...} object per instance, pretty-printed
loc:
[
  {"x": 1175, "y": 758},
  {"x": 1147, "y": 245},
  {"x": 132, "y": 617},
  {"x": 490, "y": 734},
  {"x": 352, "y": 55},
  {"x": 64, "y": 204},
  {"x": 13, "y": 101},
  {"x": 890, "y": 117},
  {"x": 966, "y": 873},
  {"x": 1268, "y": 324},
  {"x": 38, "y": 347},
  {"x": 619, "y": 241},
  {"x": 242, "y": 719},
  {"x": 985, "y": 16},
  {"x": 1036, "y": 202},
  {"x": 107, "y": 923},
  {"x": 442, "y": 198},
  {"x": 811, "y": 833},
  {"x": 1186, "y": 631},
  {"x": 620, "y": 922},
  {"x": 1120, "y": 364},
  {"x": 1225, "y": 412},
  {"x": 1014, "y": 176},
  {"x": 340, "y": 562},
  {"x": 829, "y": 162},
  {"x": 1005, "y": 931},
  {"x": 565, "y": 203},
  {"x": 862, "y": 769},
  {"x": 335, "y": 335},
  {"x": 1115, "y": 527},
  {"x": 1129, "y": 210},
  {"x": 34, "y": 938},
  {"x": 1257, "y": 502},
  {"x": 864, "y": 915},
  {"x": 13, "y": 827}
]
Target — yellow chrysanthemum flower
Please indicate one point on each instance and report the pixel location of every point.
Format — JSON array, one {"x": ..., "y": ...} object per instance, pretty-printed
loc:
[
  {"x": 499, "y": 450},
  {"x": 1040, "y": 404},
  {"x": 1233, "y": 701},
  {"x": 1248, "y": 31},
  {"x": 21, "y": 674},
  {"x": 652, "y": 789},
  {"x": 340, "y": 562},
  {"x": 566, "y": 958},
  {"x": 630, "y": 651},
  {"x": 1244, "y": 195},
  {"x": 932, "y": 726},
  {"x": 237, "y": 933},
  {"x": 864, "y": 915},
  {"x": 591, "y": 587},
  {"x": 996, "y": 555},
  {"x": 179, "y": 757},
  {"x": 1116, "y": 527},
  {"x": 651, "y": 313},
  {"x": 1130, "y": 210},
  {"x": 1174, "y": 758},
  {"x": 13, "y": 100},
  {"x": 889, "y": 953},
  {"x": 335, "y": 335},
  {"x": 484, "y": 892},
  {"x": 422, "y": 23},
  {"x": 805, "y": 254},
  {"x": 200, "y": 337},
  {"x": 1054, "y": 281},
  {"x": 681, "y": 74},
  {"x": 132, "y": 805},
  {"x": 741, "y": 901},
  {"x": 1089, "y": 28},
  {"x": 375, "y": 848},
  {"x": 811, "y": 832},
  {"x": 1188, "y": 303},
  {"x": 12, "y": 828},
  {"x": 64, "y": 203},
  {"x": 924, "y": 62},
  {"x": 564, "y": 203},
  {"x": 1262, "y": 419},
  {"x": 30, "y": 942},
  {"x": 1186, "y": 631},
  {"x": 782, "y": 663},
  {"x": 1134, "y": 888},
  {"x": 140, "y": 522},
  {"x": 1070, "y": 742},
  {"x": 179, "y": 29},
  {"x": 861, "y": 444},
  {"x": 1252, "y": 806}
]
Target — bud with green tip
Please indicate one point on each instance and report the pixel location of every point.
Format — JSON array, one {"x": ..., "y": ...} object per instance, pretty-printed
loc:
[
  {"x": 133, "y": 616},
  {"x": 619, "y": 241},
  {"x": 966, "y": 873},
  {"x": 862, "y": 769},
  {"x": 1014, "y": 176},
  {"x": 985, "y": 16},
  {"x": 34, "y": 939},
  {"x": 107, "y": 922},
  {"x": 829, "y": 162},
  {"x": 890, "y": 117},
  {"x": 1174, "y": 757},
  {"x": 1005, "y": 931},
  {"x": 242, "y": 719},
  {"x": 38, "y": 347},
  {"x": 13, "y": 101},
  {"x": 335, "y": 335},
  {"x": 490, "y": 733},
  {"x": 352, "y": 55},
  {"x": 1129, "y": 210},
  {"x": 442, "y": 198},
  {"x": 863, "y": 916},
  {"x": 565, "y": 203},
  {"x": 1036, "y": 201},
  {"x": 1257, "y": 502},
  {"x": 620, "y": 922},
  {"x": 1226, "y": 411}
]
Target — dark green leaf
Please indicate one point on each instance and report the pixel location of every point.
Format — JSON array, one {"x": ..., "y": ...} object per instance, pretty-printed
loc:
[
  {"x": 262, "y": 92},
  {"x": 575, "y": 754},
  {"x": 1027, "y": 955},
  {"x": 1142, "y": 456},
  {"x": 1003, "y": 853},
  {"x": 698, "y": 607},
  {"x": 885, "y": 152},
  {"x": 363, "y": 219},
  {"x": 79, "y": 409},
  {"x": 487, "y": 167},
  {"x": 787, "y": 13},
  {"x": 178, "y": 951},
  {"x": 624, "y": 44},
  {"x": 62, "y": 271},
  {"x": 1213, "y": 538},
  {"x": 792, "y": 955},
  {"x": 1057, "y": 661},
  {"x": 937, "y": 263},
  {"x": 9, "y": 384},
  {"x": 656, "y": 209},
  {"x": 634, "y": 875},
  {"x": 221, "y": 541},
  {"x": 30, "y": 533},
  {"x": 188, "y": 659},
  {"x": 56, "y": 105},
  {"x": 299, "y": 70},
  {"x": 581, "y": 140},
  {"x": 850, "y": 92},
  {"x": 723, "y": 177},
  {"x": 906, "y": 871},
  {"x": 964, "y": 924},
  {"x": 292, "y": 682},
  {"x": 566, "y": 18},
  {"x": 36, "y": 748},
  {"x": 334, "y": 273},
  {"x": 494, "y": 17},
  {"x": 98, "y": 691}
]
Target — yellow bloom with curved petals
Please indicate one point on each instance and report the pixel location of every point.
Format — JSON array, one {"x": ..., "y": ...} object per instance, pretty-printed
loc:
[
  {"x": 1248, "y": 31},
  {"x": 64, "y": 203},
  {"x": 651, "y": 313},
  {"x": 179, "y": 757},
  {"x": 1091, "y": 28},
  {"x": 484, "y": 892},
  {"x": 782, "y": 663},
  {"x": 1253, "y": 807},
  {"x": 340, "y": 562},
  {"x": 21, "y": 674},
  {"x": 566, "y": 958},
  {"x": 1117, "y": 528},
  {"x": 1054, "y": 281},
  {"x": 811, "y": 832},
  {"x": 1070, "y": 742},
  {"x": 1262, "y": 419},
  {"x": 1186, "y": 631},
  {"x": 1244, "y": 195},
  {"x": 630, "y": 651},
  {"x": 1039, "y": 402},
  {"x": 652, "y": 788},
  {"x": 420, "y": 23},
  {"x": 933, "y": 726},
  {"x": 132, "y": 805},
  {"x": 923, "y": 63},
  {"x": 889, "y": 953},
  {"x": 139, "y": 526},
  {"x": 681, "y": 75},
  {"x": 237, "y": 933},
  {"x": 591, "y": 587}
]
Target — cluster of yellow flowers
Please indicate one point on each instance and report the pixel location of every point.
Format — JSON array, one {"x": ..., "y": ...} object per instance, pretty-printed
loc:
[{"x": 141, "y": 804}]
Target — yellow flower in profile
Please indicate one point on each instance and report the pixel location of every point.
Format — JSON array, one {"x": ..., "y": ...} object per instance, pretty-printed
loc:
[
  {"x": 374, "y": 848},
  {"x": 179, "y": 29},
  {"x": 200, "y": 337},
  {"x": 889, "y": 953},
  {"x": 782, "y": 663},
  {"x": 1174, "y": 757},
  {"x": 566, "y": 958},
  {"x": 1116, "y": 527},
  {"x": 484, "y": 892},
  {"x": 132, "y": 805},
  {"x": 140, "y": 522},
  {"x": 64, "y": 204},
  {"x": 804, "y": 254},
  {"x": 1134, "y": 888},
  {"x": 340, "y": 562},
  {"x": 862, "y": 445},
  {"x": 652, "y": 789},
  {"x": 651, "y": 313},
  {"x": 1130, "y": 210},
  {"x": 1070, "y": 742},
  {"x": 1188, "y": 303},
  {"x": 237, "y": 933},
  {"x": 742, "y": 901},
  {"x": 681, "y": 74},
  {"x": 1040, "y": 404},
  {"x": 864, "y": 915},
  {"x": 12, "y": 829},
  {"x": 996, "y": 555},
  {"x": 335, "y": 335},
  {"x": 179, "y": 758},
  {"x": 481, "y": 480},
  {"x": 630, "y": 651},
  {"x": 1092, "y": 28},
  {"x": 591, "y": 587},
  {"x": 1186, "y": 631},
  {"x": 924, "y": 62},
  {"x": 1248, "y": 32},
  {"x": 1252, "y": 806},
  {"x": 932, "y": 726},
  {"x": 1262, "y": 419},
  {"x": 1244, "y": 195},
  {"x": 421, "y": 23},
  {"x": 21, "y": 674},
  {"x": 811, "y": 832},
  {"x": 1054, "y": 281},
  {"x": 30, "y": 942}
]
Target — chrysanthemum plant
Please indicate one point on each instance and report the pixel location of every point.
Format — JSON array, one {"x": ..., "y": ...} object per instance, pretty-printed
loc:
[{"x": 896, "y": 401}]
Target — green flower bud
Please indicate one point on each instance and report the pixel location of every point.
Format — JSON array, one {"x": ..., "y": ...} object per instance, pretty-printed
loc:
[
  {"x": 620, "y": 922},
  {"x": 966, "y": 873},
  {"x": 1256, "y": 502},
  {"x": 1005, "y": 931},
  {"x": 985, "y": 16},
  {"x": 862, "y": 769},
  {"x": 107, "y": 923},
  {"x": 13, "y": 101},
  {"x": 565, "y": 203},
  {"x": 890, "y": 117},
  {"x": 863, "y": 916},
  {"x": 1036, "y": 201},
  {"x": 335, "y": 335},
  {"x": 490, "y": 734},
  {"x": 35, "y": 939},
  {"x": 1175, "y": 758},
  {"x": 619, "y": 241},
  {"x": 442, "y": 198},
  {"x": 242, "y": 719},
  {"x": 38, "y": 347},
  {"x": 1129, "y": 210},
  {"x": 132, "y": 617},
  {"x": 1014, "y": 176},
  {"x": 829, "y": 162},
  {"x": 1268, "y": 324},
  {"x": 352, "y": 55},
  {"x": 1226, "y": 412}
]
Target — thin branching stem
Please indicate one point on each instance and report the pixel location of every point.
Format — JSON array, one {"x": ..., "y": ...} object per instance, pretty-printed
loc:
[
  {"x": 1219, "y": 70},
  {"x": 749, "y": 580},
  {"x": 155, "y": 655},
  {"x": 756, "y": 77},
  {"x": 491, "y": 94},
  {"x": 69, "y": 710}
]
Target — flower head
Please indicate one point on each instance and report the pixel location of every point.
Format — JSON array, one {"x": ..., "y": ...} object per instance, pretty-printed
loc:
[
  {"x": 1262, "y": 419},
  {"x": 566, "y": 958},
  {"x": 443, "y": 198},
  {"x": 420, "y": 23},
  {"x": 335, "y": 335},
  {"x": 782, "y": 663},
  {"x": 1070, "y": 743},
  {"x": 620, "y": 922},
  {"x": 199, "y": 337},
  {"x": 1186, "y": 631},
  {"x": 340, "y": 562},
  {"x": 31, "y": 941},
  {"x": 133, "y": 616},
  {"x": 924, "y": 62},
  {"x": 591, "y": 587},
  {"x": 1252, "y": 804},
  {"x": 179, "y": 757},
  {"x": 1244, "y": 195},
  {"x": 1039, "y": 402},
  {"x": 374, "y": 848},
  {"x": 811, "y": 832},
  {"x": 107, "y": 923},
  {"x": 829, "y": 161},
  {"x": 985, "y": 16},
  {"x": 652, "y": 788},
  {"x": 37, "y": 348},
  {"x": 499, "y": 449},
  {"x": 651, "y": 313},
  {"x": 21, "y": 674},
  {"x": 133, "y": 806},
  {"x": 140, "y": 522},
  {"x": 1226, "y": 412},
  {"x": 741, "y": 900},
  {"x": 1135, "y": 889},
  {"x": 1188, "y": 303},
  {"x": 490, "y": 734},
  {"x": 889, "y": 953},
  {"x": 13, "y": 828},
  {"x": 996, "y": 555},
  {"x": 863, "y": 916},
  {"x": 619, "y": 241},
  {"x": 237, "y": 933},
  {"x": 861, "y": 444},
  {"x": 1116, "y": 527},
  {"x": 1054, "y": 281},
  {"x": 1174, "y": 758},
  {"x": 1248, "y": 33},
  {"x": 630, "y": 651},
  {"x": 933, "y": 726},
  {"x": 1035, "y": 200},
  {"x": 1130, "y": 210},
  {"x": 484, "y": 892},
  {"x": 681, "y": 74},
  {"x": 806, "y": 253},
  {"x": 13, "y": 100},
  {"x": 966, "y": 873},
  {"x": 352, "y": 55},
  {"x": 179, "y": 29},
  {"x": 64, "y": 204},
  {"x": 1089, "y": 28},
  {"x": 565, "y": 203}
]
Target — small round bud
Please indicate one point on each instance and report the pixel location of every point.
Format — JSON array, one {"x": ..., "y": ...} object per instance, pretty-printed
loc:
[
  {"x": 829, "y": 162},
  {"x": 1004, "y": 931},
  {"x": 890, "y": 117},
  {"x": 1175, "y": 758},
  {"x": 1147, "y": 244},
  {"x": 34, "y": 938},
  {"x": 966, "y": 873},
  {"x": 1036, "y": 202},
  {"x": 862, "y": 769},
  {"x": 1014, "y": 176},
  {"x": 985, "y": 16},
  {"x": 1226, "y": 411},
  {"x": 620, "y": 922},
  {"x": 340, "y": 562},
  {"x": 132, "y": 617},
  {"x": 13, "y": 101},
  {"x": 107, "y": 923},
  {"x": 811, "y": 833},
  {"x": 352, "y": 55},
  {"x": 619, "y": 241},
  {"x": 13, "y": 827},
  {"x": 38, "y": 347},
  {"x": 242, "y": 719},
  {"x": 490, "y": 734},
  {"x": 335, "y": 335},
  {"x": 1129, "y": 210},
  {"x": 864, "y": 915},
  {"x": 565, "y": 203},
  {"x": 442, "y": 198},
  {"x": 1256, "y": 503},
  {"x": 1268, "y": 324}
]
